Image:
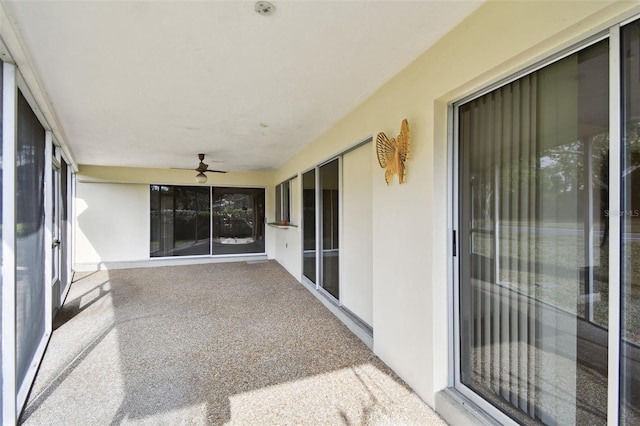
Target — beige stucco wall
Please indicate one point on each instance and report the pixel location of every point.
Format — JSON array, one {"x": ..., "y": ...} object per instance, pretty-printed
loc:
[
  {"x": 356, "y": 248},
  {"x": 410, "y": 231},
  {"x": 111, "y": 224}
]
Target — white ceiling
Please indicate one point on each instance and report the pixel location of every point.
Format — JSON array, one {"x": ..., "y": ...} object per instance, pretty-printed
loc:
[{"x": 153, "y": 83}]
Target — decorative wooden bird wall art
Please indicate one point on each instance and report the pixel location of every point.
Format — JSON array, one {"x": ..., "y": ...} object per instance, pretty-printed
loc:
[{"x": 393, "y": 153}]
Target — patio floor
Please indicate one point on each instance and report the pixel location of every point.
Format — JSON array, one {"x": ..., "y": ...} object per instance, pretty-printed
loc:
[{"x": 221, "y": 343}]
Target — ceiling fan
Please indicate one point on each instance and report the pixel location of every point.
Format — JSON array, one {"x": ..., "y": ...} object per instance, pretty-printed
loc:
[{"x": 202, "y": 169}]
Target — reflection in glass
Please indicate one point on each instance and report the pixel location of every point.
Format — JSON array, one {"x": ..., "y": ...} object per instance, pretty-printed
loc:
[
  {"x": 30, "y": 249},
  {"x": 238, "y": 220},
  {"x": 309, "y": 224},
  {"x": 286, "y": 202},
  {"x": 283, "y": 203},
  {"x": 279, "y": 202},
  {"x": 329, "y": 180},
  {"x": 534, "y": 271},
  {"x": 630, "y": 226},
  {"x": 180, "y": 221}
]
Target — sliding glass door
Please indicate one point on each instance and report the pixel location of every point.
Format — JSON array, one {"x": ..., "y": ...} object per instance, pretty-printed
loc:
[
  {"x": 309, "y": 257},
  {"x": 238, "y": 220},
  {"x": 533, "y": 292},
  {"x": 549, "y": 221},
  {"x": 329, "y": 219},
  {"x": 200, "y": 220},
  {"x": 321, "y": 227},
  {"x": 180, "y": 221}
]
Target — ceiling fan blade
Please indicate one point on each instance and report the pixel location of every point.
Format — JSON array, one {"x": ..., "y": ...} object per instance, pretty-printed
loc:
[{"x": 202, "y": 167}]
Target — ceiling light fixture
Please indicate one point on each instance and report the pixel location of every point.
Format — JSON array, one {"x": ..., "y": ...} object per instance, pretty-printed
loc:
[
  {"x": 201, "y": 178},
  {"x": 265, "y": 8}
]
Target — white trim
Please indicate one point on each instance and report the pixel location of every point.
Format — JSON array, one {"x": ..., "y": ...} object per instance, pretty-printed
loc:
[
  {"x": 453, "y": 258},
  {"x": 9, "y": 133},
  {"x": 168, "y": 261},
  {"x": 613, "y": 386}
]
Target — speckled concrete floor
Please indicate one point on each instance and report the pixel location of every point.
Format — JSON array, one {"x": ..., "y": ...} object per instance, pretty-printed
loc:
[{"x": 232, "y": 343}]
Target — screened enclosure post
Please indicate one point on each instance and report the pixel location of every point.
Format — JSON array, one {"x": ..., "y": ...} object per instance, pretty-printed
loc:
[
  {"x": 9, "y": 105},
  {"x": 49, "y": 155},
  {"x": 613, "y": 407}
]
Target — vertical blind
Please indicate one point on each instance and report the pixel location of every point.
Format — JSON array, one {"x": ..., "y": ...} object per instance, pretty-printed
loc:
[
  {"x": 500, "y": 165},
  {"x": 531, "y": 168}
]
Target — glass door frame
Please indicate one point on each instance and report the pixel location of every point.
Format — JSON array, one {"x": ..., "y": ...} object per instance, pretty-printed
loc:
[
  {"x": 612, "y": 33},
  {"x": 305, "y": 278},
  {"x": 319, "y": 247},
  {"x": 55, "y": 219},
  {"x": 66, "y": 228}
]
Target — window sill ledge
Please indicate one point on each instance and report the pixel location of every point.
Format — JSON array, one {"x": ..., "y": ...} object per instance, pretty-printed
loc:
[{"x": 281, "y": 226}]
